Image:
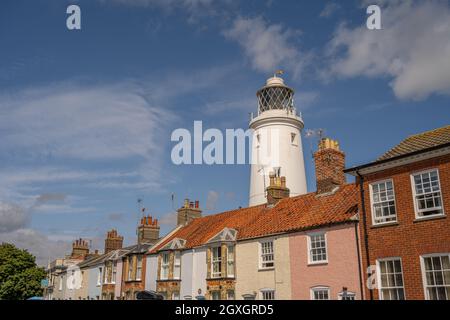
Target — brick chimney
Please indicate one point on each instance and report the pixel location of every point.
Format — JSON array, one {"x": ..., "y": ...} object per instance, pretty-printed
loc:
[
  {"x": 148, "y": 230},
  {"x": 330, "y": 164},
  {"x": 113, "y": 241},
  {"x": 80, "y": 248},
  {"x": 188, "y": 212},
  {"x": 277, "y": 189}
]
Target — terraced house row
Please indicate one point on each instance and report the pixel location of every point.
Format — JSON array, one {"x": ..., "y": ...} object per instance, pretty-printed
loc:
[{"x": 384, "y": 236}]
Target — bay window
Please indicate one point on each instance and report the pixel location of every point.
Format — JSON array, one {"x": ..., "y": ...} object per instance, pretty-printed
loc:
[
  {"x": 216, "y": 262},
  {"x": 165, "y": 258},
  {"x": 230, "y": 261},
  {"x": 139, "y": 268},
  {"x": 177, "y": 265}
]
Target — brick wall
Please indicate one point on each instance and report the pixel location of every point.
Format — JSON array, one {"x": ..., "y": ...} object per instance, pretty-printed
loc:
[
  {"x": 408, "y": 238},
  {"x": 329, "y": 165}
]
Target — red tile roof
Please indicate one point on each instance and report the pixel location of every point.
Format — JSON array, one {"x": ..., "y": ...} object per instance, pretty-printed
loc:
[{"x": 292, "y": 214}]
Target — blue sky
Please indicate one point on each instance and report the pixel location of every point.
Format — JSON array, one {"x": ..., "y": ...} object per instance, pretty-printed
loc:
[{"x": 86, "y": 115}]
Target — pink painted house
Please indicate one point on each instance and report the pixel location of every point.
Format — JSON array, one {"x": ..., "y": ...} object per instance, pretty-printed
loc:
[
  {"x": 325, "y": 259},
  {"x": 324, "y": 263}
]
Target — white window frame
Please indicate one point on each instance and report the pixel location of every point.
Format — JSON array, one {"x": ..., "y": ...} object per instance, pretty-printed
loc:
[
  {"x": 99, "y": 276},
  {"x": 380, "y": 288},
  {"x": 424, "y": 279},
  {"x": 164, "y": 273},
  {"x": 139, "y": 262},
  {"x": 262, "y": 263},
  {"x": 349, "y": 294},
  {"x": 310, "y": 258},
  {"x": 294, "y": 139},
  {"x": 114, "y": 272},
  {"x": 413, "y": 187},
  {"x": 219, "y": 261},
  {"x": 372, "y": 202},
  {"x": 230, "y": 260},
  {"x": 313, "y": 290},
  {"x": 267, "y": 294},
  {"x": 177, "y": 265}
]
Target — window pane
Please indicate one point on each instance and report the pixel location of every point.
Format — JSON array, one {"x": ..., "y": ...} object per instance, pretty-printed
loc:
[
  {"x": 428, "y": 264},
  {"x": 437, "y": 277},
  {"x": 427, "y": 194},
  {"x": 391, "y": 286}
]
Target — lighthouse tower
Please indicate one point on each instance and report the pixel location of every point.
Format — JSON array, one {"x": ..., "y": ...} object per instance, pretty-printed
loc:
[{"x": 276, "y": 144}]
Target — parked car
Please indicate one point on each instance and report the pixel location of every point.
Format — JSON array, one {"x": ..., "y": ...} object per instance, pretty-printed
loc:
[{"x": 149, "y": 295}]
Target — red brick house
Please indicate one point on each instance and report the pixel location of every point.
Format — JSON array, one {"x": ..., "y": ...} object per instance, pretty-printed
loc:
[
  {"x": 404, "y": 203},
  {"x": 134, "y": 262}
]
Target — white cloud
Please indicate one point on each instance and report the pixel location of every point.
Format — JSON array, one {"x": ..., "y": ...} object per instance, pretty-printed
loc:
[
  {"x": 413, "y": 49},
  {"x": 211, "y": 200},
  {"x": 12, "y": 217},
  {"x": 329, "y": 9},
  {"x": 268, "y": 46},
  {"x": 71, "y": 121}
]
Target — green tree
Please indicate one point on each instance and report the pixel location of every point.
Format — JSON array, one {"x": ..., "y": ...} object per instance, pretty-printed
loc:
[{"x": 20, "y": 278}]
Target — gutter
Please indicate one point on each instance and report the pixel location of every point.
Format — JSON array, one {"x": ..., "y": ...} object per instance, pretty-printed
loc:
[{"x": 366, "y": 236}]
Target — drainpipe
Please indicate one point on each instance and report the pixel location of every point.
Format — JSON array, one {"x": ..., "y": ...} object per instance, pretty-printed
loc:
[
  {"x": 361, "y": 287},
  {"x": 366, "y": 236}
]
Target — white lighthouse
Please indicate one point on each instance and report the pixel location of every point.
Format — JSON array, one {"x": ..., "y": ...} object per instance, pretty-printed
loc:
[{"x": 277, "y": 143}]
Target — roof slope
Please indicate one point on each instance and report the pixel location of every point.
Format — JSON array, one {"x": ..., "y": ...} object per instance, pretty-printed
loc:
[
  {"x": 291, "y": 214},
  {"x": 419, "y": 142}
]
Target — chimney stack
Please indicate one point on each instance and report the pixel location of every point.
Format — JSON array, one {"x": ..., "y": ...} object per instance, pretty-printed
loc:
[
  {"x": 188, "y": 212},
  {"x": 80, "y": 248},
  {"x": 277, "y": 189},
  {"x": 330, "y": 164},
  {"x": 148, "y": 230},
  {"x": 113, "y": 241}
]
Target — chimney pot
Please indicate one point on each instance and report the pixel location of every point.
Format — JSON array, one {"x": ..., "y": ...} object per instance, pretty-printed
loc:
[{"x": 277, "y": 190}]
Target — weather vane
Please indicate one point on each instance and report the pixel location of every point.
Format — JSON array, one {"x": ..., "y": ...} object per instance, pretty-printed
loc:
[{"x": 278, "y": 72}]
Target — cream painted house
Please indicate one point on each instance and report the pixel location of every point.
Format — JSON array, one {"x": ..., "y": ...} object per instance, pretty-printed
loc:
[{"x": 263, "y": 268}]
